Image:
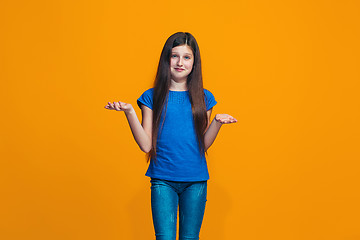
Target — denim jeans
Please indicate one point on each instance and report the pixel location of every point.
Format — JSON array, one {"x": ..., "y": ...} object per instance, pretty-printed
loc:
[{"x": 166, "y": 196}]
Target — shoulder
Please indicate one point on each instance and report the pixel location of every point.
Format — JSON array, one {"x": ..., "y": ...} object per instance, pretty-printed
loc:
[
  {"x": 208, "y": 95},
  {"x": 150, "y": 91},
  {"x": 146, "y": 98},
  {"x": 209, "y": 99}
]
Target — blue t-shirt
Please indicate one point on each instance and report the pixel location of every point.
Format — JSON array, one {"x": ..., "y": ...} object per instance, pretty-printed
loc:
[{"x": 178, "y": 157}]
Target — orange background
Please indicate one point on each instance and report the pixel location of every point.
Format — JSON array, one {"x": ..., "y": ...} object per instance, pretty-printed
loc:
[{"x": 287, "y": 70}]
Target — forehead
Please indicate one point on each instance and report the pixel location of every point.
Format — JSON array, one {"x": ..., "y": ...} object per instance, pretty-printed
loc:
[{"x": 184, "y": 49}]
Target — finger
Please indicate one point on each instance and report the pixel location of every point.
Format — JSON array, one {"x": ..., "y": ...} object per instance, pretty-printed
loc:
[
  {"x": 231, "y": 119},
  {"x": 223, "y": 121},
  {"x": 111, "y": 105},
  {"x": 121, "y": 104},
  {"x": 116, "y": 106},
  {"x": 227, "y": 121}
]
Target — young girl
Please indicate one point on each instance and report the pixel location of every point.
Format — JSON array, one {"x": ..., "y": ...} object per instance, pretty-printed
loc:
[{"x": 176, "y": 132}]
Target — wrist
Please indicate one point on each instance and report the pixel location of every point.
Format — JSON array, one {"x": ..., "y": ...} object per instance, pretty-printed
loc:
[
  {"x": 217, "y": 120},
  {"x": 129, "y": 111}
]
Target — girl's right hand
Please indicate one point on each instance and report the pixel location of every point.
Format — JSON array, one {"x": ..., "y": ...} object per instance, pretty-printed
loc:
[{"x": 119, "y": 106}]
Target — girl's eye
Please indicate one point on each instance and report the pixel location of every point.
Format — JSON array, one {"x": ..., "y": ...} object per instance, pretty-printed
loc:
[
  {"x": 173, "y": 56},
  {"x": 187, "y": 57}
]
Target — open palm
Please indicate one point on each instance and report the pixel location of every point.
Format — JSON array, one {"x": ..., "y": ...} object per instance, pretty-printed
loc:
[
  {"x": 225, "y": 118},
  {"x": 119, "y": 106}
]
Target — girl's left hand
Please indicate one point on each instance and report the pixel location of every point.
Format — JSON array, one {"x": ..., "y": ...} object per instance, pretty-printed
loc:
[{"x": 225, "y": 118}]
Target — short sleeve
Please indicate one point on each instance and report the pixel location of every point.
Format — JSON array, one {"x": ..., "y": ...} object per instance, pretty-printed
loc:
[
  {"x": 209, "y": 100},
  {"x": 146, "y": 99}
]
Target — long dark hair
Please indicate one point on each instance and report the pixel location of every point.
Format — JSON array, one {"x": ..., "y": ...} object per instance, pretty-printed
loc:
[{"x": 194, "y": 85}]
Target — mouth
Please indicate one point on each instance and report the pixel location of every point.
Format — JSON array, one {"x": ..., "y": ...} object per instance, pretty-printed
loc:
[{"x": 179, "y": 69}]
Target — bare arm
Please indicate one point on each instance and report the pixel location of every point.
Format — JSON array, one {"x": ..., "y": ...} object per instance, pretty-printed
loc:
[
  {"x": 141, "y": 132},
  {"x": 215, "y": 126}
]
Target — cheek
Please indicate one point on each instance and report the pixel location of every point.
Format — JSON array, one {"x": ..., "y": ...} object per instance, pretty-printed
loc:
[
  {"x": 172, "y": 62},
  {"x": 189, "y": 65}
]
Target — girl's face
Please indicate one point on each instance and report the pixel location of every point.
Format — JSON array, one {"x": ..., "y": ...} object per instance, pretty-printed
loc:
[{"x": 181, "y": 62}]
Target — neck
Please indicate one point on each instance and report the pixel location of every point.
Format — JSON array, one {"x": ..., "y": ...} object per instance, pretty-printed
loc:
[{"x": 178, "y": 85}]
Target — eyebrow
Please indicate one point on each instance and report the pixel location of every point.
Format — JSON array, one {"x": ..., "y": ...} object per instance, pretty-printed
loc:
[{"x": 184, "y": 54}]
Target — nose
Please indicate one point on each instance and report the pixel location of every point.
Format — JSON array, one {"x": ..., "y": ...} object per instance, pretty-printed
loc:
[{"x": 179, "y": 63}]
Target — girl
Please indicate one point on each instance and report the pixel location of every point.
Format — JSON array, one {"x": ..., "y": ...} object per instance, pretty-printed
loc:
[{"x": 176, "y": 132}]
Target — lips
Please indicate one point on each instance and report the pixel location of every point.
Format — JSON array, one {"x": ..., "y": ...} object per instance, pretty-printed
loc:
[{"x": 179, "y": 69}]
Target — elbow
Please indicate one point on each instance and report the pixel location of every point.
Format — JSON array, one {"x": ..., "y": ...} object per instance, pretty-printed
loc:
[
  {"x": 207, "y": 145},
  {"x": 145, "y": 145},
  {"x": 145, "y": 149},
  {"x": 206, "y": 148}
]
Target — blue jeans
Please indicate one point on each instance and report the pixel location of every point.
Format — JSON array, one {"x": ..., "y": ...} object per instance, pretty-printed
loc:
[{"x": 166, "y": 196}]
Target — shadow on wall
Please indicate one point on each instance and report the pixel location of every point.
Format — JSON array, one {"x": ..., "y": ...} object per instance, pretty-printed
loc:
[{"x": 218, "y": 206}]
